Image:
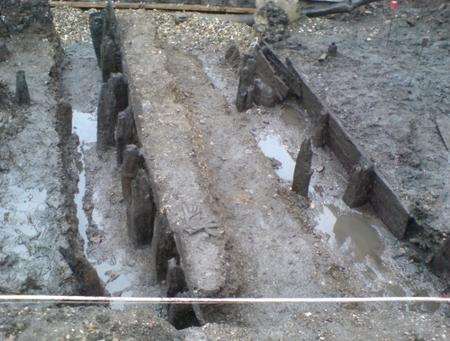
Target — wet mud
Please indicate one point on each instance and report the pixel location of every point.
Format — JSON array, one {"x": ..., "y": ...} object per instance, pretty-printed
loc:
[
  {"x": 255, "y": 145},
  {"x": 32, "y": 206},
  {"x": 123, "y": 269},
  {"x": 187, "y": 196},
  {"x": 390, "y": 99}
]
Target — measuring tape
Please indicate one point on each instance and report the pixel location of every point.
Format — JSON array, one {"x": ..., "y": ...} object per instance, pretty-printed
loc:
[{"x": 229, "y": 300}]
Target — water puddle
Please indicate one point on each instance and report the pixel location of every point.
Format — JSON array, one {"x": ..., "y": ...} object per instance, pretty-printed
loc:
[
  {"x": 85, "y": 126},
  {"x": 352, "y": 233},
  {"x": 358, "y": 237},
  {"x": 112, "y": 270},
  {"x": 273, "y": 148}
]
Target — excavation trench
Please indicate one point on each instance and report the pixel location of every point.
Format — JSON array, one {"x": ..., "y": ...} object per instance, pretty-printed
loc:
[
  {"x": 132, "y": 195},
  {"x": 192, "y": 133},
  {"x": 357, "y": 236},
  {"x": 128, "y": 244},
  {"x": 364, "y": 244},
  {"x": 162, "y": 188}
]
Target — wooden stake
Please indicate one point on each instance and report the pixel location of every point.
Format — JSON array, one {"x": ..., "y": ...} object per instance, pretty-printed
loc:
[{"x": 389, "y": 32}]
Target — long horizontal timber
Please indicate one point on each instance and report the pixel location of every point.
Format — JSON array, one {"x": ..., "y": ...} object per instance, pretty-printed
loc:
[{"x": 162, "y": 7}]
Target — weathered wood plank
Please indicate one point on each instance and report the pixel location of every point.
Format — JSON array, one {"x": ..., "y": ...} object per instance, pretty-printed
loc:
[{"x": 162, "y": 7}]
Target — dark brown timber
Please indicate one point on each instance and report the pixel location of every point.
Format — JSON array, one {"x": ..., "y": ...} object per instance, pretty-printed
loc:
[{"x": 163, "y": 7}]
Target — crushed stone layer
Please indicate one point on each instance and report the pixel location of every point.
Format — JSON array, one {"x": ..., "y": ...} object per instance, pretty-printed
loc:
[{"x": 47, "y": 322}]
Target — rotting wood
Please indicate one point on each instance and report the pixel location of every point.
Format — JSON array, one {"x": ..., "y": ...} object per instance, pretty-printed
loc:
[
  {"x": 335, "y": 7},
  {"x": 162, "y": 7},
  {"x": 359, "y": 185},
  {"x": 314, "y": 11},
  {"x": 384, "y": 199},
  {"x": 302, "y": 171},
  {"x": 22, "y": 94},
  {"x": 198, "y": 232}
]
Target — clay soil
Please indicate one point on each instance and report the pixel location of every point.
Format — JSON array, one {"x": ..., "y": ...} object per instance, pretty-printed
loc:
[
  {"x": 276, "y": 243},
  {"x": 272, "y": 246},
  {"x": 389, "y": 86}
]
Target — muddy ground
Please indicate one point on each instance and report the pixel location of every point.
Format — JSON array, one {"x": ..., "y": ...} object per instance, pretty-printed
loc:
[
  {"x": 101, "y": 212},
  {"x": 32, "y": 205},
  {"x": 275, "y": 244},
  {"x": 390, "y": 93},
  {"x": 260, "y": 212}
]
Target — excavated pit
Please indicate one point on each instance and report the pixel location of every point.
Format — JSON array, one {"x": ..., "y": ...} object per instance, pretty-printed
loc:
[
  {"x": 161, "y": 85},
  {"x": 163, "y": 188},
  {"x": 115, "y": 203}
]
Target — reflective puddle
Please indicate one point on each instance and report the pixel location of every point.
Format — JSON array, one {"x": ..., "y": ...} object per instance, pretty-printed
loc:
[
  {"x": 357, "y": 236},
  {"x": 111, "y": 272},
  {"x": 352, "y": 233},
  {"x": 273, "y": 148},
  {"x": 85, "y": 126}
]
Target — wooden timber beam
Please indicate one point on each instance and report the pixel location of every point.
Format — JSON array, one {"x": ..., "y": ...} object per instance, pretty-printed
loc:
[{"x": 162, "y": 7}]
